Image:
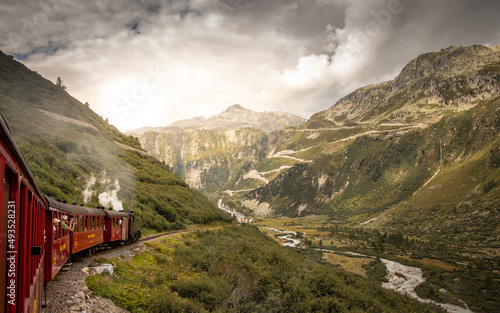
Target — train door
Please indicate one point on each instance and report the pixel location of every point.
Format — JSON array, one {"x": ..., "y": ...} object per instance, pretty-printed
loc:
[
  {"x": 124, "y": 228},
  {"x": 9, "y": 234}
]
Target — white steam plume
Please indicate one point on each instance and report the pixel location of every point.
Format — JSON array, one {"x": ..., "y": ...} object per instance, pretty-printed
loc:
[
  {"x": 88, "y": 192},
  {"x": 109, "y": 198}
]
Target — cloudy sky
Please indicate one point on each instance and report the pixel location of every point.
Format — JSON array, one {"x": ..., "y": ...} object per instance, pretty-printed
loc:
[{"x": 153, "y": 62}]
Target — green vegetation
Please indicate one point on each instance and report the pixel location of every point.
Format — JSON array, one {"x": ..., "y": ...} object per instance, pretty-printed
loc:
[
  {"x": 237, "y": 268},
  {"x": 377, "y": 270},
  {"x": 374, "y": 173}
]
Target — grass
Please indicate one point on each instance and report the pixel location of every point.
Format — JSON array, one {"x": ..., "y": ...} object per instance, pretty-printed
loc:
[
  {"x": 350, "y": 264},
  {"x": 237, "y": 268}
]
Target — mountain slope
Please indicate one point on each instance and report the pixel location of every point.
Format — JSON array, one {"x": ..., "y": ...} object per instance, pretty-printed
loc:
[
  {"x": 76, "y": 155},
  {"x": 210, "y": 160}
]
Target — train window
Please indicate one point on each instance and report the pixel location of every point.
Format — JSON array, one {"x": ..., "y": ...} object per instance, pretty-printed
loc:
[
  {"x": 85, "y": 223},
  {"x": 64, "y": 232},
  {"x": 93, "y": 222},
  {"x": 55, "y": 227},
  {"x": 80, "y": 223},
  {"x": 59, "y": 228}
]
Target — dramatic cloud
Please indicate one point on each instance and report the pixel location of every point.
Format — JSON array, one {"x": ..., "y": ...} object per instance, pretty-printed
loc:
[{"x": 152, "y": 62}]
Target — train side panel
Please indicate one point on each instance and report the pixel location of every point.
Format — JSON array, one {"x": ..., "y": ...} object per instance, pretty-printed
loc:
[
  {"x": 117, "y": 226},
  {"x": 59, "y": 243},
  {"x": 22, "y": 218},
  {"x": 88, "y": 232}
]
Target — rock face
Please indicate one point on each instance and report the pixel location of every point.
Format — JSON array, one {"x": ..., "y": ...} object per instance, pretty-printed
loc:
[
  {"x": 208, "y": 159},
  {"x": 206, "y": 152},
  {"x": 236, "y": 117}
]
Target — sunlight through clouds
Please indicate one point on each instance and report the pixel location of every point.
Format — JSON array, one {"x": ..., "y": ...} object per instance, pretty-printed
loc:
[{"x": 298, "y": 56}]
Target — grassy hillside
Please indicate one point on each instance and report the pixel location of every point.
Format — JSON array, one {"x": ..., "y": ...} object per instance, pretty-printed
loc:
[
  {"x": 460, "y": 203},
  {"x": 70, "y": 149},
  {"x": 239, "y": 269}
]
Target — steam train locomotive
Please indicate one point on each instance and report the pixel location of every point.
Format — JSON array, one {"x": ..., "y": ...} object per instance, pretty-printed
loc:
[{"x": 34, "y": 245}]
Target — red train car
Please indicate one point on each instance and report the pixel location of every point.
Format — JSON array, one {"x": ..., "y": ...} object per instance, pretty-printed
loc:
[
  {"x": 117, "y": 227},
  {"x": 22, "y": 226},
  {"x": 87, "y": 232}
]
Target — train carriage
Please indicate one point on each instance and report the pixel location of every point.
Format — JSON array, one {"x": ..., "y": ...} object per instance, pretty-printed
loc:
[
  {"x": 87, "y": 232},
  {"x": 117, "y": 226},
  {"x": 22, "y": 225}
]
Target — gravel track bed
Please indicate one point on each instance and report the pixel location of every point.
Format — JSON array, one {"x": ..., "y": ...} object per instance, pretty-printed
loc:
[{"x": 68, "y": 291}]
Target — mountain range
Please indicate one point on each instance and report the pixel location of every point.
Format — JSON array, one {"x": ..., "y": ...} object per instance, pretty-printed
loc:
[
  {"x": 387, "y": 155},
  {"x": 415, "y": 159}
]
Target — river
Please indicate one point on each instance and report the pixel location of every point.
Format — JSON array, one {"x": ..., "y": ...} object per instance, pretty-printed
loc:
[{"x": 401, "y": 278}]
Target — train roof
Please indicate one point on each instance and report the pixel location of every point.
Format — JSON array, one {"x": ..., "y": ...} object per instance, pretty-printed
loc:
[
  {"x": 116, "y": 214},
  {"x": 73, "y": 209},
  {"x": 8, "y": 139}
]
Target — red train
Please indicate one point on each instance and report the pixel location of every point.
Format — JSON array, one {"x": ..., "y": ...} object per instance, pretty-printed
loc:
[{"x": 33, "y": 244}]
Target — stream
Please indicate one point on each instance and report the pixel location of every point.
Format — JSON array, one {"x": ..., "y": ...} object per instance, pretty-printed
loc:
[{"x": 401, "y": 278}]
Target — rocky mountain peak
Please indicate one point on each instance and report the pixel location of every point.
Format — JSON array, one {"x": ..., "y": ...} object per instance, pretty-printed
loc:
[
  {"x": 235, "y": 108},
  {"x": 450, "y": 61}
]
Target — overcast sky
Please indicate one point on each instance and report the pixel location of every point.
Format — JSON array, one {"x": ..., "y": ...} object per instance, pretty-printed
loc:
[{"x": 153, "y": 62}]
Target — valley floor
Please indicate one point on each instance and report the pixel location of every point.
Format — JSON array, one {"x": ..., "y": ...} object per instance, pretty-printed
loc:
[{"x": 426, "y": 279}]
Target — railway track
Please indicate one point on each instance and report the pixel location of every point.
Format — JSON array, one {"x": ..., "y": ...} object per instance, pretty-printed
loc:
[{"x": 146, "y": 239}]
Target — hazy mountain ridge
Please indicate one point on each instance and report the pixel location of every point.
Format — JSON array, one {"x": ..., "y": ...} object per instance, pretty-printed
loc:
[
  {"x": 210, "y": 152},
  {"x": 234, "y": 117}
]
